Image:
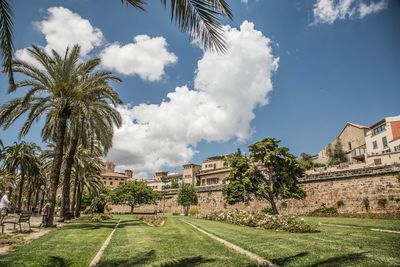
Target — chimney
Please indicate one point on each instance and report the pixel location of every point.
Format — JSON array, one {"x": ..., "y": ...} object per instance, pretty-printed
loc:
[{"x": 129, "y": 173}]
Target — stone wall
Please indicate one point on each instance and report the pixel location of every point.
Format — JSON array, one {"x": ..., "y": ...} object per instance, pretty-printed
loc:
[{"x": 349, "y": 191}]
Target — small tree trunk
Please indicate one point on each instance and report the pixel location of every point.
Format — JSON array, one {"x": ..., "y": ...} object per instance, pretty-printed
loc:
[
  {"x": 58, "y": 138},
  {"x": 186, "y": 210},
  {"x": 74, "y": 195},
  {"x": 132, "y": 209},
  {"x": 67, "y": 175},
  {"x": 273, "y": 205},
  {"x": 21, "y": 187}
]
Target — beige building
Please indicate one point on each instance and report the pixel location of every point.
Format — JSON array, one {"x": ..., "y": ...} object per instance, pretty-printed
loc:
[
  {"x": 163, "y": 180},
  {"x": 190, "y": 172},
  {"x": 352, "y": 138},
  {"x": 214, "y": 170},
  {"x": 383, "y": 142},
  {"x": 111, "y": 178}
]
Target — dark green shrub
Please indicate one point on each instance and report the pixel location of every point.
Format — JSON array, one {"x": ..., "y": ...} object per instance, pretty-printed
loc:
[
  {"x": 267, "y": 210},
  {"x": 325, "y": 210}
]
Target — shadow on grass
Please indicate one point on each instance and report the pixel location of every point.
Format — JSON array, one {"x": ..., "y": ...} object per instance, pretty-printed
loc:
[
  {"x": 188, "y": 261},
  {"x": 135, "y": 260},
  {"x": 285, "y": 260},
  {"x": 342, "y": 260},
  {"x": 55, "y": 261},
  {"x": 95, "y": 226}
]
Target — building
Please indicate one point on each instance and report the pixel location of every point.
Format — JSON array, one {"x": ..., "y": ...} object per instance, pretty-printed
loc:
[
  {"x": 163, "y": 180},
  {"x": 214, "y": 170},
  {"x": 111, "y": 178},
  {"x": 352, "y": 139},
  {"x": 383, "y": 142},
  {"x": 190, "y": 172}
]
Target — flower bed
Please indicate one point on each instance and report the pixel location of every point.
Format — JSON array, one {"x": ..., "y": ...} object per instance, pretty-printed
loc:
[
  {"x": 261, "y": 220},
  {"x": 153, "y": 220}
]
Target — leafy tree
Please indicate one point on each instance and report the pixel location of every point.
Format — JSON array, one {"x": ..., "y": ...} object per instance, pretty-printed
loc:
[
  {"x": 58, "y": 85},
  {"x": 134, "y": 194},
  {"x": 174, "y": 183},
  {"x": 336, "y": 155},
  {"x": 187, "y": 196},
  {"x": 306, "y": 161},
  {"x": 270, "y": 172}
]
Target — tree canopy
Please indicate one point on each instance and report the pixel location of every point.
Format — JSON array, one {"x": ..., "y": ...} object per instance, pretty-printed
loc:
[
  {"x": 134, "y": 194},
  {"x": 270, "y": 172},
  {"x": 187, "y": 196}
]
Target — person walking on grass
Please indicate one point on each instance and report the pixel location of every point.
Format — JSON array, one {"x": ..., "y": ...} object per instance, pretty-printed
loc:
[
  {"x": 4, "y": 202},
  {"x": 45, "y": 215}
]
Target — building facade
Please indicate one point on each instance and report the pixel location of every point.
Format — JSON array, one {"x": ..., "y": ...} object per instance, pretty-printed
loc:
[
  {"x": 113, "y": 179},
  {"x": 214, "y": 170}
]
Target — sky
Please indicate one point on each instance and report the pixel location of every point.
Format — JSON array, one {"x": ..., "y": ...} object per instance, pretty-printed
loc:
[{"x": 294, "y": 70}]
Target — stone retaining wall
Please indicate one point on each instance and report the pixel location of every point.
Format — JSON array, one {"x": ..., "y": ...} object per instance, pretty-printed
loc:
[{"x": 374, "y": 190}]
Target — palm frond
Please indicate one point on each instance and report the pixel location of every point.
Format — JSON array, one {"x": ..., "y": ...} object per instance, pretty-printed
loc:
[
  {"x": 6, "y": 39},
  {"x": 139, "y": 4}
]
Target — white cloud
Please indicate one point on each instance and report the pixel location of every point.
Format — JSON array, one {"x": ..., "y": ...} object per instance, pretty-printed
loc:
[
  {"x": 146, "y": 57},
  {"x": 328, "y": 11},
  {"x": 227, "y": 89},
  {"x": 62, "y": 28}
]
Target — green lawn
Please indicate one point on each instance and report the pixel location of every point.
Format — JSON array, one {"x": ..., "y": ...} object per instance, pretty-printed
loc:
[
  {"x": 333, "y": 246},
  {"x": 174, "y": 244},
  {"x": 178, "y": 244}
]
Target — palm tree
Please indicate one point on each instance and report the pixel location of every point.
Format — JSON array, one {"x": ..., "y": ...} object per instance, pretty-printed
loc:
[
  {"x": 199, "y": 19},
  {"x": 93, "y": 119},
  {"x": 57, "y": 86},
  {"x": 6, "y": 38},
  {"x": 21, "y": 159},
  {"x": 87, "y": 174}
]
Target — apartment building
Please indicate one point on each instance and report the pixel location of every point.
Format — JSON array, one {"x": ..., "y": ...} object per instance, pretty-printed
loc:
[
  {"x": 214, "y": 170},
  {"x": 190, "y": 172},
  {"x": 352, "y": 139},
  {"x": 111, "y": 178},
  {"x": 383, "y": 141}
]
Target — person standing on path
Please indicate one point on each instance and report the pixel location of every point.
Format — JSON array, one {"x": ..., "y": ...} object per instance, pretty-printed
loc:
[{"x": 4, "y": 202}]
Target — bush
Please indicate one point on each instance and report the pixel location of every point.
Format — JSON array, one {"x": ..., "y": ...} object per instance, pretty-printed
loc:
[
  {"x": 267, "y": 211},
  {"x": 261, "y": 220},
  {"x": 340, "y": 203},
  {"x": 153, "y": 220},
  {"x": 325, "y": 210},
  {"x": 382, "y": 203},
  {"x": 99, "y": 217},
  {"x": 193, "y": 211}
]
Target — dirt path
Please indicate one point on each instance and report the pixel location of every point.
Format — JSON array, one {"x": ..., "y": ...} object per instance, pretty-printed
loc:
[{"x": 19, "y": 238}]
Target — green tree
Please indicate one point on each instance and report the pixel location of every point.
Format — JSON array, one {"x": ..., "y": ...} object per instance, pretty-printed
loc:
[
  {"x": 21, "y": 159},
  {"x": 270, "y": 172},
  {"x": 187, "y": 196},
  {"x": 57, "y": 86},
  {"x": 336, "y": 155},
  {"x": 134, "y": 194},
  {"x": 306, "y": 161}
]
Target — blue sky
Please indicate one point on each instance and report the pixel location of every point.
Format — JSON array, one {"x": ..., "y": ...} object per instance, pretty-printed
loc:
[{"x": 334, "y": 66}]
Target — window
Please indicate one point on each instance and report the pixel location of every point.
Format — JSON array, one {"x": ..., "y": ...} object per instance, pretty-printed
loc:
[
  {"x": 378, "y": 129},
  {"x": 397, "y": 148},
  {"x": 349, "y": 145},
  {"x": 111, "y": 183},
  {"x": 384, "y": 142},
  {"x": 375, "y": 144},
  {"x": 377, "y": 161}
]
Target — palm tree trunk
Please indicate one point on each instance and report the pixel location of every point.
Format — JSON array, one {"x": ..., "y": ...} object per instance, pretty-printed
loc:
[
  {"x": 37, "y": 198},
  {"x": 29, "y": 198},
  {"x": 21, "y": 187},
  {"x": 67, "y": 175},
  {"x": 78, "y": 200},
  {"x": 74, "y": 194},
  {"x": 59, "y": 136}
]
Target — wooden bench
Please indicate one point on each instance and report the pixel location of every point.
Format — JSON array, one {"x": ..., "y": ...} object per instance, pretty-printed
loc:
[{"x": 24, "y": 217}]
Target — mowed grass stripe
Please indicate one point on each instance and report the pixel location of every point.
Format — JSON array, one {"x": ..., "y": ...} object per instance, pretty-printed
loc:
[
  {"x": 174, "y": 244},
  {"x": 337, "y": 246},
  {"x": 73, "y": 245}
]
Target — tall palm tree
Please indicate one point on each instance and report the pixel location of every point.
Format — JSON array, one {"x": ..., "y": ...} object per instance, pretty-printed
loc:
[
  {"x": 93, "y": 119},
  {"x": 57, "y": 84},
  {"x": 21, "y": 159},
  {"x": 6, "y": 38}
]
